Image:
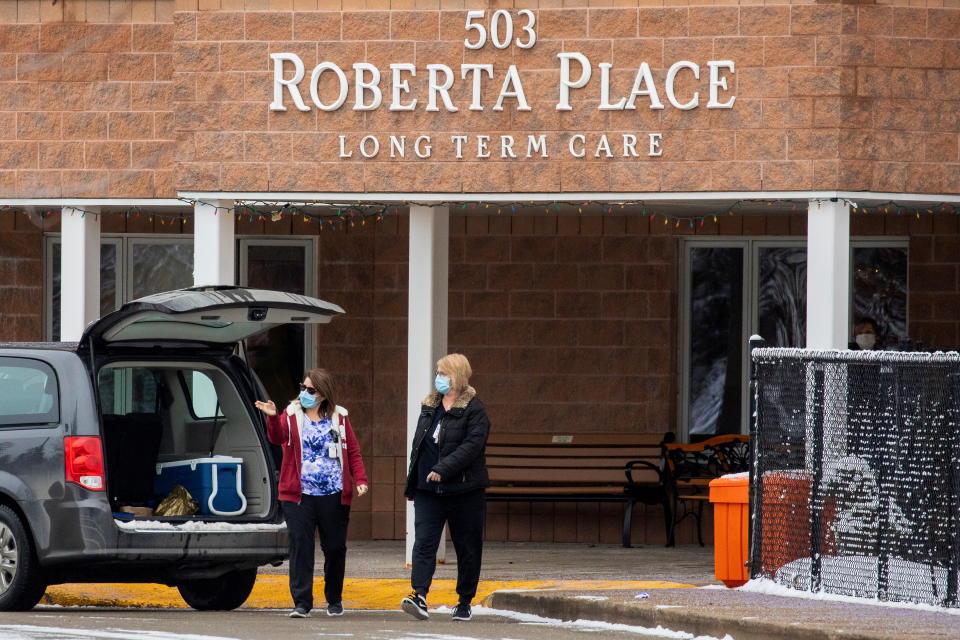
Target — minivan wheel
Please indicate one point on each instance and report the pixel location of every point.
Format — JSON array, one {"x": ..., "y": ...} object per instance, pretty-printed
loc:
[
  {"x": 21, "y": 582},
  {"x": 224, "y": 593}
]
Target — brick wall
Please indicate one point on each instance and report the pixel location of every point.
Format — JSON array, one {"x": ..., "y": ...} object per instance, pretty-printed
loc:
[
  {"x": 21, "y": 277},
  {"x": 85, "y": 99},
  {"x": 95, "y": 93},
  {"x": 828, "y": 96}
]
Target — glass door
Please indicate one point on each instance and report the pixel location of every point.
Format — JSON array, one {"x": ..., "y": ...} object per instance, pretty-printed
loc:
[
  {"x": 780, "y": 293},
  {"x": 714, "y": 335},
  {"x": 735, "y": 288},
  {"x": 281, "y": 355}
]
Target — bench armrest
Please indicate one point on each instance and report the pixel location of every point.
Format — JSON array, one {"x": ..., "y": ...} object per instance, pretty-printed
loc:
[{"x": 632, "y": 464}]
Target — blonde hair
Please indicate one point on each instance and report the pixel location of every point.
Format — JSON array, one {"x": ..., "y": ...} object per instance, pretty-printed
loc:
[{"x": 457, "y": 365}]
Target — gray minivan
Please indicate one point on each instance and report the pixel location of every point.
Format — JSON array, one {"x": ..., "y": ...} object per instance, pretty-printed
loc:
[{"x": 85, "y": 429}]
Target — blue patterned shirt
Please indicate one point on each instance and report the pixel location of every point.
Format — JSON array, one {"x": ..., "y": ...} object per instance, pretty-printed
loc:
[{"x": 320, "y": 475}]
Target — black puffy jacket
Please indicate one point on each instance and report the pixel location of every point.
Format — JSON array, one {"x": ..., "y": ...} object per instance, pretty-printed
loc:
[{"x": 463, "y": 438}]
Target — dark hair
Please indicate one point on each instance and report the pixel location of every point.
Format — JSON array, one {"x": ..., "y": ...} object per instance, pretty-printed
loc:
[
  {"x": 323, "y": 383},
  {"x": 870, "y": 321}
]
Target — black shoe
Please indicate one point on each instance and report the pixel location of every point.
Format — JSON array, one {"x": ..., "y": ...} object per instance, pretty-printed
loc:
[
  {"x": 462, "y": 612},
  {"x": 299, "y": 612},
  {"x": 415, "y": 605},
  {"x": 335, "y": 609}
]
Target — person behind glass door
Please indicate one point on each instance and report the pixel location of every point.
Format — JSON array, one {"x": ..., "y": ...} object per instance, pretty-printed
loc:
[
  {"x": 866, "y": 335},
  {"x": 320, "y": 468},
  {"x": 447, "y": 480}
]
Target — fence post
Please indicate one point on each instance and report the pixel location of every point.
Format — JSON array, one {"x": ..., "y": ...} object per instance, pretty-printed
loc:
[
  {"x": 753, "y": 533},
  {"x": 953, "y": 564},
  {"x": 816, "y": 480}
]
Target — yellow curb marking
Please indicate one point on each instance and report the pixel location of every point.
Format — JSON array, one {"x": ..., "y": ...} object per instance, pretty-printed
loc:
[{"x": 272, "y": 592}]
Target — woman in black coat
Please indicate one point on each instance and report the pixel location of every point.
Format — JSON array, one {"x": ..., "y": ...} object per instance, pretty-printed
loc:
[{"x": 447, "y": 481}]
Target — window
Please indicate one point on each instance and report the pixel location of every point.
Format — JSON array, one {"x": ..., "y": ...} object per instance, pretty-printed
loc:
[
  {"x": 130, "y": 267},
  {"x": 279, "y": 356},
  {"x": 28, "y": 393},
  {"x": 109, "y": 248},
  {"x": 128, "y": 390},
  {"x": 155, "y": 265},
  {"x": 735, "y": 288},
  {"x": 201, "y": 394}
]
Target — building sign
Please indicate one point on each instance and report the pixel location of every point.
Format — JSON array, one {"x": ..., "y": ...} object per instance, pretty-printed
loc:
[{"x": 362, "y": 87}]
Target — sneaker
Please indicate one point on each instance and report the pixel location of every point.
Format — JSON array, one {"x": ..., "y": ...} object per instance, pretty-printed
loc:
[
  {"x": 299, "y": 612},
  {"x": 335, "y": 609},
  {"x": 462, "y": 612},
  {"x": 415, "y": 605}
]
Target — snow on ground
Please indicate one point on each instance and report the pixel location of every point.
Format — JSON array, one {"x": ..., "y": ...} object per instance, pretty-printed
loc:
[
  {"x": 591, "y": 625},
  {"x": 769, "y": 587},
  {"x": 33, "y": 632},
  {"x": 856, "y": 576}
]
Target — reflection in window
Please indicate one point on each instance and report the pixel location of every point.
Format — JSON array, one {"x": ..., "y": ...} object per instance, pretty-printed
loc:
[
  {"x": 716, "y": 303},
  {"x": 108, "y": 283},
  {"x": 782, "y": 296},
  {"x": 160, "y": 267},
  {"x": 880, "y": 291},
  {"x": 127, "y": 390}
]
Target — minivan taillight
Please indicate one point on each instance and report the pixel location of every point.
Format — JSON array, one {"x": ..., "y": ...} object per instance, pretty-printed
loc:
[{"x": 84, "y": 461}]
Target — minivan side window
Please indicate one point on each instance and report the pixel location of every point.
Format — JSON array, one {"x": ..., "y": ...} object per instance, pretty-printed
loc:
[
  {"x": 201, "y": 394},
  {"x": 28, "y": 392}
]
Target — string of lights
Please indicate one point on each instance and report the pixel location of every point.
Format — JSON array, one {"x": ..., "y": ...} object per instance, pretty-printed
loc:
[{"x": 341, "y": 215}]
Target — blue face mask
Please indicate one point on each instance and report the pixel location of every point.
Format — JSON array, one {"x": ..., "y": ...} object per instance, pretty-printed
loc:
[
  {"x": 307, "y": 401},
  {"x": 442, "y": 384}
]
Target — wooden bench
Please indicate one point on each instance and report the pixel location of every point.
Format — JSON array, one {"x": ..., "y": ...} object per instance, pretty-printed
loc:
[
  {"x": 689, "y": 468},
  {"x": 579, "y": 468}
]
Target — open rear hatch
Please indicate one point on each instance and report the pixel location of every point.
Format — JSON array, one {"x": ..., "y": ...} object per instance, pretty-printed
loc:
[
  {"x": 176, "y": 407},
  {"x": 203, "y": 316}
]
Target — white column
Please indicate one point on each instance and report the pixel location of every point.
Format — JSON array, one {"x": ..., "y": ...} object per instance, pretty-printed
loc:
[
  {"x": 213, "y": 243},
  {"x": 426, "y": 317},
  {"x": 828, "y": 274},
  {"x": 79, "y": 270}
]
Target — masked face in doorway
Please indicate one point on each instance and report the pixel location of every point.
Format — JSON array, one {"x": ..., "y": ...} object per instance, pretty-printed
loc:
[{"x": 865, "y": 341}]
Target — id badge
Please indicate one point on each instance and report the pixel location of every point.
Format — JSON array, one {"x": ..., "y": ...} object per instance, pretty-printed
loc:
[
  {"x": 436, "y": 433},
  {"x": 332, "y": 450}
]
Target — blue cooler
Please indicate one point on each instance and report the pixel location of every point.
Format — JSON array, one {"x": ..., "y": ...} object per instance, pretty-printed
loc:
[{"x": 215, "y": 483}]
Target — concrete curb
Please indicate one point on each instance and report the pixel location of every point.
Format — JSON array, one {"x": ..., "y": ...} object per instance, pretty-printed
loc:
[
  {"x": 743, "y": 616},
  {"x": 571, "y": 608}
]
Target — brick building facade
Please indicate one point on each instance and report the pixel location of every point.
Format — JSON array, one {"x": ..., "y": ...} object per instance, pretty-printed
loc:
[{"x": 564, "y": 315}]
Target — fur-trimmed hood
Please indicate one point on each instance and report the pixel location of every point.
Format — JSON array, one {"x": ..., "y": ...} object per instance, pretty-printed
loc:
[{"x": 433, "y": 399}]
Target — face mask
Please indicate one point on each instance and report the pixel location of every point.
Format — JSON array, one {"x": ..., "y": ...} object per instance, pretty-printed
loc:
[
  {"x": 307, "y": 401},
  {"x": 865, "y": 340},
  {"x": 442, "y": 384}
]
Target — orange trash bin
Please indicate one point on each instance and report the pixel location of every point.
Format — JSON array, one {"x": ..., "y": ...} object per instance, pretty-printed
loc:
[{"x": 730, "y": 496}]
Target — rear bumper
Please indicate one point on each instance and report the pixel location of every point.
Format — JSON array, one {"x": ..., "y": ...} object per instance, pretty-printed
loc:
[{"x": 168, "y": 557}]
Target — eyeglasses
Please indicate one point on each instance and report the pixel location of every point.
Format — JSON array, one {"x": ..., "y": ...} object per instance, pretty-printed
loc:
[{"x": 309, "y": 390}]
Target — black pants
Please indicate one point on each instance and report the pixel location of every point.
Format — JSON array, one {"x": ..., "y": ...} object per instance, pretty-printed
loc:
[
  {"x": 465, "y": 515},
  {"x": 326, "y": 515}
]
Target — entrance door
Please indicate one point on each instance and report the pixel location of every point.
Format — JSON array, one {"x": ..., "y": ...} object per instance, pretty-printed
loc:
[
  {"x": 281, "y": 355},
  {"x": 735, "y": 288}
]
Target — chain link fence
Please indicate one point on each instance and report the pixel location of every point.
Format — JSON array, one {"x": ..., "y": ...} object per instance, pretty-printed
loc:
[{"x": 856, "y": 479}]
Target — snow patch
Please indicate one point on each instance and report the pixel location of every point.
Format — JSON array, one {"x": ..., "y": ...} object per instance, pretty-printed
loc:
[
  {"x": 33, "y": 632},
  {"x": 769, "y": 587},
  {"x": 736, "y": 476},
  {"x": 196, "y": 525},
  {"x": 593, "y": 625}
]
